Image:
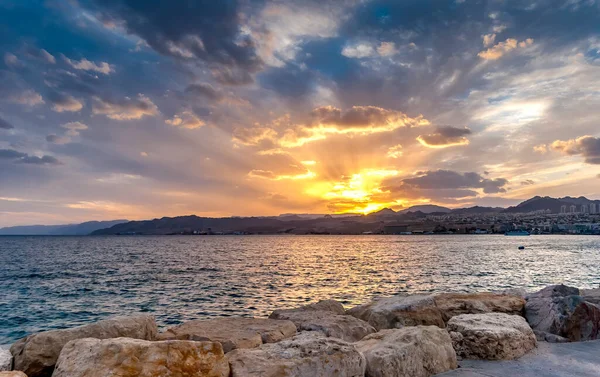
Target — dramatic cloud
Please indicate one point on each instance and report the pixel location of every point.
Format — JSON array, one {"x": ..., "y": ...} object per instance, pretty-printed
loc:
[
  {"x": 27, "y": 98},
  {"x": 40, "y": 54},
  {"x": 5, "y": 125},
  {"x": 451, "y": 180},
  {"x": 62, "y": 102},
  {"x": 205, "y": 90},
  {"x": 586, "y": 146},
  {"x": 502, "y": 48},
  {"x": 186, "y": 119},
  {"x": 369, "y": 50},
  {"x": 395, "y": 151},
  {"x": 125, "y": 109},
  {"x": 87, "y": 65},
  {"x": 74, "y": 128},
  {"x": 11, "y": 154},
  {"x": 445, "y": 137},
  {"x": 209, "y": 31}
]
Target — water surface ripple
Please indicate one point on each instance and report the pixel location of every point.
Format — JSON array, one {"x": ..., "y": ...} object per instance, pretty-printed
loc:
[{"x": 58, "y": 282}]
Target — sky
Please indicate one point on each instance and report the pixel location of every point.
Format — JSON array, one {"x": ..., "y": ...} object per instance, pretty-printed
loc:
[{"x": 135, "y": 109}]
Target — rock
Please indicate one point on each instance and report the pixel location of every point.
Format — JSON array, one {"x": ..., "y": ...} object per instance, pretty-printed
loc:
[
  {"x": 36, "y": 354},
  {"x": 491, "y": 336},
  {"x": 400, "y": 311},
  {"x": 343, "y": 327},
  {"x": 5, "y": 360},
  {"x": 591, "y": 295},
  {"x": 306, "y": 355},
  {"x": 551, "y": 338},
  {"x": 231, "y": 332},
  {"x": 583, "y": 323},
  {"x": 126, "y": 357},
  {"x": 330, "y": 306},
  {"x": 560, "y": 310},
  {"x": 419, "y": 351},
  {"x": 453, "y": 304},
  {"x": 14, "y": 373}
]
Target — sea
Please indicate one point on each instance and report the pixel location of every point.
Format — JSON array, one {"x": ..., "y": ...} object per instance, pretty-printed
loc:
[{"x": 58, "y": 282}]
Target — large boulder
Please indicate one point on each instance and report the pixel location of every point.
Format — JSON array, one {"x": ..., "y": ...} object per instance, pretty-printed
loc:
[
  {"x": 561, "y": 310},
  {"x": 399, "y": 311},
  {"x": 307, "y": 354},
  {"x": 36, "y": 354},
  {"x": 453, "y": 304},
  {"x": 14, "y": 373},
  {"x": 126, "y": 357},
  {"x": 5, "y": 360},
  {"x": 418, "y": 351},
  {"x": 327, "y": 317},
  {"x": 491, "y": 336},
  {"x": 232, "y": 332},
  {"x": 591, "y": 295},
  {"x": 327, "y": 306}
]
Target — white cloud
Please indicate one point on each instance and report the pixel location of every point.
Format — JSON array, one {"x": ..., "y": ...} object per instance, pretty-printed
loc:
[
  {"x": 126, "y": 109},
  {"x": 87, "y": 65},
  {"x": 367, "y": 49},
  {"x": 186, "y": 119},
  {"x": 489, "y": 39},
  {"x": 27, "y": 98},
  {"x": 74, "y": 128},
  {"x": 499, "y": 50},
  {"x": 11, "y": 60}
]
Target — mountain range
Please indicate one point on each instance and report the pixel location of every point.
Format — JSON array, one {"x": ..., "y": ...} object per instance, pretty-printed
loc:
[{"x": 289, "y": 223}]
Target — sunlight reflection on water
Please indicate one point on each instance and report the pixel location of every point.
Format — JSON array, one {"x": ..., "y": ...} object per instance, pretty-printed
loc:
[{"x": 56, "y": 282}]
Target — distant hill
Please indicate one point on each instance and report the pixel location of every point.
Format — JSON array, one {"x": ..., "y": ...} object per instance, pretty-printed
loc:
[
  {"x": 476, "y": 210},
  {"x": 82, "y": 229},
  {"x": 427, "y": 208},
  {"x": 539, "y": 203}
]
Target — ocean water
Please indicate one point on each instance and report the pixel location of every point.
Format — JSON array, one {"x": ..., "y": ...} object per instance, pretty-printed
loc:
[{"x": 58, "y": 282}]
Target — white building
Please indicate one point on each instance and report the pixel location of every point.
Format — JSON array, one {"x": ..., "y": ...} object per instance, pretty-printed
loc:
[
  {"x": 593, "y": 208},
  {"x": 563, "y": 208},
  {"x": 573, "y": 208},
  {"x": 584, "y": 208}
]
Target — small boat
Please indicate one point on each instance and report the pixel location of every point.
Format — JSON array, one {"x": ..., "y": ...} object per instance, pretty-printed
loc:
[
  {"x": 517, "y": 233},
  {"x": 521, "y": 247}
]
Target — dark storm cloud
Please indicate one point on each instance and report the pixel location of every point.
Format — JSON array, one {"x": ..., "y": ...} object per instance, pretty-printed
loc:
[
  {"x": 586, "y": 146},
  {"x": 62, "y": 102},
  {"x": 206, "y": 30},
  {"x": 289, "y": 81},
  {"x": 11, "y": 154},
  {"x": 449, "y": 180},
  {"x": 527, "y": 182},
  {"x": 205, "y": 90},
  {"x": 5, "y": 125}
]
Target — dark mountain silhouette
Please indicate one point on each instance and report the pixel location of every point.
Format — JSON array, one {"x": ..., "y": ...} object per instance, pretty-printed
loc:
[
  {"x": 539, "y": 203},
  {"x": 427, "y": 208},
  {"x": 476, "y": 210},
  {"x": 59, "y": 230}
]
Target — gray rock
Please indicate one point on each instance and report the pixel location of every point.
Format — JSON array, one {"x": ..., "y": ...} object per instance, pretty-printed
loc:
[
  {"x": 14, "y": 373},
  {"x": 232, "y": 332},
  {"x": 417, "y": 351},
  {"x": 591, "y": 295},
  {"x": 5, "y": 360},
  {"x": 491, "y": 336},
  {"x": 36, "y": 354},
  {"x": 330, "y": 306},
  {"x": 560, "y": 310},
  {"x": 126, "y": 357},
  {"x": 307, "y": 354}
]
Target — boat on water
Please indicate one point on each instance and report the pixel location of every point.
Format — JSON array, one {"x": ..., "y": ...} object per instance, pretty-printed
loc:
[{"x": 517, "y": 233}]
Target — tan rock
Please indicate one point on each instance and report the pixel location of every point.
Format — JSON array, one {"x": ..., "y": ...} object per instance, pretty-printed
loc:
[
  {"x": 343, "y": 327},
  {"x": 399, "y": 311},
  {"x": 331, "y": 306},
  {"x": 232, "y": 332},
  {"x": 491, "y": 336},
  {"x": 583, "y": 324},
  {"x": 14, "y": 373},
  {"x": 418, "y": 351},
  {"x": 453, "y": 304},
  {"x": 126, "y": 357},
  {"x": 308, "y": 354},
  {"x": 36, "y": 354}
]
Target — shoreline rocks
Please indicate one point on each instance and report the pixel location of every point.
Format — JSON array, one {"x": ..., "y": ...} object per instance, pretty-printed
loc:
[
  {"x": 5, "y": 360},
  {"x": 232, "y": 332},
  {"x": 491, "y": 336},
  {"x": 37, "y": 354},
  {"x": 126, "y": 357},
  {"x": 419, "y": 351},
  {"x": 308, "y": 354}
]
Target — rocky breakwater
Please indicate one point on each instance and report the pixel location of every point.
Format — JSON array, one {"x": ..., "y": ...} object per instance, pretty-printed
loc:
[{"x": 415, "y": 336}]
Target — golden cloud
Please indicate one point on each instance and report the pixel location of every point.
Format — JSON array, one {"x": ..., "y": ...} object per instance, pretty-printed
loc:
[{"x": 497, "y": 51}]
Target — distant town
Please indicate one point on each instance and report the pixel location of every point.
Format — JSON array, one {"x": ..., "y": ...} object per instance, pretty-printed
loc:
[{"x": 538, "y": 215}]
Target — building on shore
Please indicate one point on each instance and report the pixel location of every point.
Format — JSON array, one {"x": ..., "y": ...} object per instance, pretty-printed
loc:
[{"x": 573, "y": 208}]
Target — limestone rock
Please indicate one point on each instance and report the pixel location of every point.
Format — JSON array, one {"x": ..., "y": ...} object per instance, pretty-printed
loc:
[
  {"x": 36, "y": 354},
  {"x": 231, "y": 332},
  {"x": 418, "y": 351},
  {"x": 491, "y": 336},
  {"x": 5, "y": 360},
  {"x": 399, "y": 311},
  {"x": 126, "y": 357},
  {"x": 453, "y": 304},
  {"x": 308, "y": 354},
  {"x": 343, "y": 327},
  {"x": 330, "y": 306},
  {"x": 14, "y": 373},
  {"x": 560, "y": 310}
]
